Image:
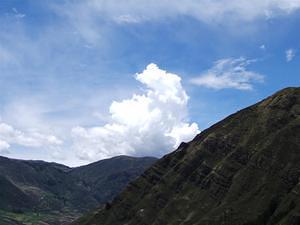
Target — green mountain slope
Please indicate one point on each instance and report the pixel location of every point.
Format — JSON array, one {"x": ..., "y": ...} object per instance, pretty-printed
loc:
[
  {"x": 37, "y": 190},
  {"x": 244, "y": 170}
]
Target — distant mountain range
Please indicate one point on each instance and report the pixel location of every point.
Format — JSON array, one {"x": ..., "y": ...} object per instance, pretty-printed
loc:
[
  {"x": 37, "y": 191},
  {"x": 244, "y": 170}
]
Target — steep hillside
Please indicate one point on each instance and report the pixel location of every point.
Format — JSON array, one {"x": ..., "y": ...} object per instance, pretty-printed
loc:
[
  {"x": 38, "y": 188},
  {"x": 106, "y": 178},
  {"x": 244, "y": 170}
]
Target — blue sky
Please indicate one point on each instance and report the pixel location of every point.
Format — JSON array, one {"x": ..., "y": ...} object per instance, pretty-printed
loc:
[{"x": 64, "y": 63}]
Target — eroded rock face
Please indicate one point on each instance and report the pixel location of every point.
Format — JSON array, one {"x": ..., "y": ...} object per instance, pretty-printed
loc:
[{"x": 244, "y": 170}]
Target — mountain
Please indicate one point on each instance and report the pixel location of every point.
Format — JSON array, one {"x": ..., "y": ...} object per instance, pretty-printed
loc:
[
  {"x": 244, "y": 170},
  {"x": 41, "y": 189}
]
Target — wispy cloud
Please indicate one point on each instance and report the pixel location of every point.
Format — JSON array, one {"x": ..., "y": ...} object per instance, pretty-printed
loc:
[
  {"x": 290, "y": 54},
  {"x": 18, "y": 14},
  {"x": 262, "y": 47},
  {"x": 127, "y": 19},
  {"x": 12, "y": 136},
  {"x": 6, "y": 57},
  {"x": 90, "y": 17},
  {"x": 229, "y": 73},
  {"x": 205, "y": 10}
]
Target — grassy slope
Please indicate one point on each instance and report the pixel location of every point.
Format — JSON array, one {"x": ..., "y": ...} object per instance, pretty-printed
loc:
[
  {"x": 32, "y": 218},
  {"x": 32, "y": 191},
  {"x": 242, "y": 171}
]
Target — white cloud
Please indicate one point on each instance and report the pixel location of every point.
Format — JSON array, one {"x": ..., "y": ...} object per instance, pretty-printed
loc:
[
  {"x": 151, "y": 123},
  {"x": 262, "y": 47},
  {"x": 4, "y": 146},
  {"x": 17, "y": 14},
  {"x": 290, "y": 54},
  {"x": 10, "y": 135},
  {"x": 229, "y": 73},
  {"x": 127, "y": 19}
]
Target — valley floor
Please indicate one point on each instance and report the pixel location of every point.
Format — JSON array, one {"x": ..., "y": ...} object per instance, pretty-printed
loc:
[{"x": 31, "y": 218}]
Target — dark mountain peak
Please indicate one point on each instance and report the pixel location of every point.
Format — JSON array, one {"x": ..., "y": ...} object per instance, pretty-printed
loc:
[
  {"x": 243, "y": 170},
  {"x": 119, "y": 158},
  {"x": 283, "y": 99},
  {"x": 132, "y": 157}
]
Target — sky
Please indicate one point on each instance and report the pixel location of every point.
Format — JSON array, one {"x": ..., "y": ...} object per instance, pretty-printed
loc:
[{"x": 86, "y": 80}]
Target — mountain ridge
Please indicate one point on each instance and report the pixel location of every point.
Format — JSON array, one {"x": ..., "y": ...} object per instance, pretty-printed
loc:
[
  {"x": 35, "y": 186},
  {"x": 244, "y": 170}
]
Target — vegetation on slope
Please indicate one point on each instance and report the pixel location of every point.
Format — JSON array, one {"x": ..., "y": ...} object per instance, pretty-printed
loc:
[
  {"x": 243, "y": 170},
  {"x": 32, "y": 191}
]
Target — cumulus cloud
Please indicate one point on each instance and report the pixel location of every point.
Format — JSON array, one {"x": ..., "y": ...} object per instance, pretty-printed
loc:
[
  {"x": 229, "y": 73},
  {"x": 4, "y": 146},
  {"x": 290, "y": 54},
  {"x": 12, "y": 136},
  {"x": 151, "y": 123}
]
